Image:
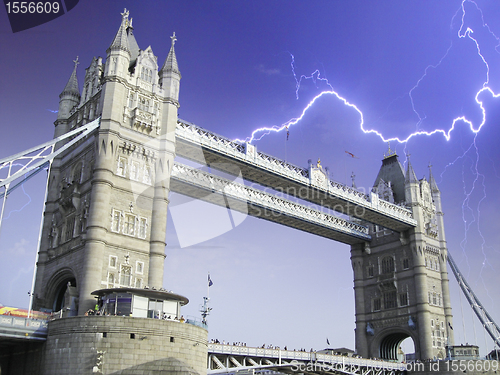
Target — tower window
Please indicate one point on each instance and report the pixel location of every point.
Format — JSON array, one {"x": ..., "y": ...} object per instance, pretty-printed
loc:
[
  {"x": 147, "y": 175},
  {"x": 370, "y": 270},
  {"x": 139, "y": 267},
  {"x": 387, "y": 265},
  {"x": 390, "y": 300},
  {"x": 111, "y": 280},
  {"x": 112, "y": 261},
  {"x": 70, "y": 226},
  {"x": 406, "y": 263},
  {"x": 120, "y": 169},
  {"x": 116, "y": 221},
  {"x": 134, "y": 171},
  {"x": 403, "y": 299},
  {"x": 376, "y": 304},
  {"x": 142, "y": 227},
  {"x": 125, "y": 276},
  {"x": 129, "y": 225},
  {"x": 138, "y": 283}
]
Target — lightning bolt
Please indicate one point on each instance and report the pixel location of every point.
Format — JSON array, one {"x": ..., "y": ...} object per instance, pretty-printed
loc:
[
  {"x": 22, "y": 187},
  {"x": 464, "y": 33}
]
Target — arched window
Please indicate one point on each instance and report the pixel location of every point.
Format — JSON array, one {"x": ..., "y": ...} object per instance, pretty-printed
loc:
[{"x": 387, "y": 265}]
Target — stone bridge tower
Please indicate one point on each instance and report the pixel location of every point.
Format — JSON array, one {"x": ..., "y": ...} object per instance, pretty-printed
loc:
[
  {"x": 106, "y": 210},
  {"x": 401, "y": 279}
]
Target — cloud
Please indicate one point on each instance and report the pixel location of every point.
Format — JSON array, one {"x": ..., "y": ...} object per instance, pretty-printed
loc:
[
  {"x": 19, "y": 247},
  {"x": 270, "y": 72}
]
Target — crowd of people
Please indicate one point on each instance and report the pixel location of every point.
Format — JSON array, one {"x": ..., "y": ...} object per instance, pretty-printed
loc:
[{"x": 264, "y": 346}]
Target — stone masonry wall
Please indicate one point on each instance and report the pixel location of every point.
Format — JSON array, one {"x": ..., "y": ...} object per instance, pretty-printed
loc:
[{"x": 108, "y": 344}]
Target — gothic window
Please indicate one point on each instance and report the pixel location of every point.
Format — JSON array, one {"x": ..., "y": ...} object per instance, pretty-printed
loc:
[
  {"x": 129, "y": 225},
  {"x": 370, "y": 270},
  {"x": 147, "y": 175},
  {"x": 134, "y": 171},
  {"x": 406, "y": 263},
  {"x": 142, "y": 227},
  {"x": 430, "y": 297},
  {"x": 390, "y": 300},
  {"x": 125, "y": 276},
  {"x": 142, "y": 72},
  {"x": 120, "y": 169},
  {"x": 139, "y": 267},
  {"x": 70, "y": 226},
  {"x": 434, "y": 300},
  {"x": 376, "y": 304},
  {"x": 112, "y": 261},
  {"x": 432, "y": 322},
  {"x": 131, "y": 100},
  {"x": 111, "y": 280},
  {"x": 403, "y": 299},
  {"x": 437, "y": 265},
  {"x": 387, "y": 265},
  {"x": 77, "y": 173},
  {"x": 116, "y": 221},
  {"x": 138, "y": 283}
]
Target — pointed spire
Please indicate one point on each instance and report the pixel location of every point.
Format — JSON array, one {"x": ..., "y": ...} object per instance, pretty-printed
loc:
[
  {"x": 432, "y": 181},
  {"x": 71, "y": 87},
  {"x": 410, "y": 173},
  {"x": 170, "y": 63},
  {"x": 121, "y": 38}
]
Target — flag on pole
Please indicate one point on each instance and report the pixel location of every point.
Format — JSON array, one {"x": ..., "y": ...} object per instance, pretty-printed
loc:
[
  {"x": 449, "y": 324},
  {"x": 328, "y": 341},
  {"x": 210, "y": 283}
]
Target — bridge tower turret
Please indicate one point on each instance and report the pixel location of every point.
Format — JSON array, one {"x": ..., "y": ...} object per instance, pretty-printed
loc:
[
  {"x": 400, "y": 279},
  {"x": 105, "y": 218}
]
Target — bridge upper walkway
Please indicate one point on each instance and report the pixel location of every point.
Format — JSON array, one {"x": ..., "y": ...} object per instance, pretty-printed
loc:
[{"x": 205, "y": 147}]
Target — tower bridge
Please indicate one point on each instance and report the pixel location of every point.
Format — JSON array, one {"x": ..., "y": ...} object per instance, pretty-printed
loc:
[{"x": 105, "y": 219}]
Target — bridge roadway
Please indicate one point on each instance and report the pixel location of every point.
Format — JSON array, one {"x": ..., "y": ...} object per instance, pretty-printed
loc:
[
  {"x": 227, "y": 359},
  {"x": 202, "y": 146},
  {"x": 18, "y": 329},
  {"x": 214, "y": 189}
]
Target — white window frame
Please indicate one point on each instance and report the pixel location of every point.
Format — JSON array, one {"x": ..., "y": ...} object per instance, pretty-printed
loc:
[
  {"x": 126, "y": 225},
  {"x": 142, "y": 230},
  {"x": 121, "y": 171},
  {"x": 113, "y": 221},
  {"x": 137, "y": 271},
  {"x": 115, "y": 261}
]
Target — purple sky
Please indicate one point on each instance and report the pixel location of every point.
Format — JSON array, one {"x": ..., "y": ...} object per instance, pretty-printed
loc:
[{"x": 272, "y": 284}]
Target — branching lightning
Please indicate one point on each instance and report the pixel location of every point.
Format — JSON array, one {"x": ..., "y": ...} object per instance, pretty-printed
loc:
[{"x": 464, "y": 32}]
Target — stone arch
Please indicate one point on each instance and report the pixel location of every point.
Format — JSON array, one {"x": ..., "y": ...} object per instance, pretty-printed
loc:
[
  {"x": 57, "y": 286},
  {"x": 387, "y": 343}
]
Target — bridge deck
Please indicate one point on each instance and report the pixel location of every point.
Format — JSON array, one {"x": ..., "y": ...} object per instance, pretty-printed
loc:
[
  {"x": 208, "y": 187},
  {"x": 202, "y": 146},
  {"x": 14, "y": 327},
  {"x": 229, "y": 358}
]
